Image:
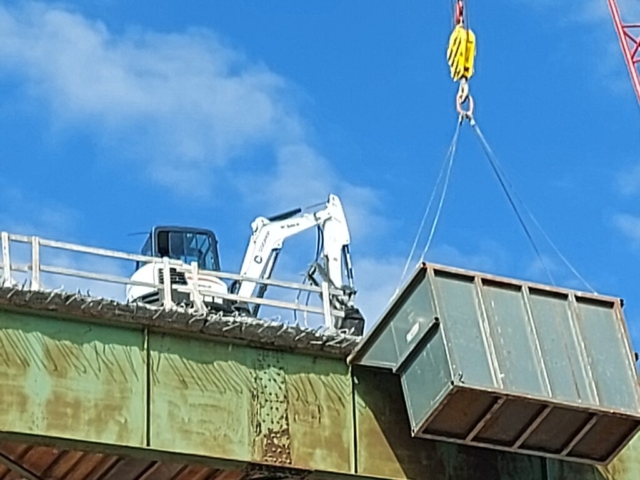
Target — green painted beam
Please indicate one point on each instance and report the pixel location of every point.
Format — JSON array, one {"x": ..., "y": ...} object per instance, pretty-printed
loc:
[
  {"x": 163, "y": 395},
  {"x": 123, "y": 387},
  {"x": 72, "y": 380},
  {"x": 250, "y": 404}
]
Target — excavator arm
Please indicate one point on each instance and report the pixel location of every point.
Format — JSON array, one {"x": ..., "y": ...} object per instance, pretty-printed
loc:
[{"x": 268, "y": 236}]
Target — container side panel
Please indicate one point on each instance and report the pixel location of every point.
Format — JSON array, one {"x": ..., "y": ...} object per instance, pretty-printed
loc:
[
  {"x": 558, "y": 343},
  {"x": 249, "y": 404},
  {"x": 72, "y": 380},
  {"x": 604, "y": 341},
  {"x": 404, "y": 325},
  {"x": 383, "y": 352},
  {"x": 425, "y": 378},
  {"x": 413, "y": 319},
  {"x": 387, "y": 450},
  {"x": 461, "y": 318},
  {"x": 513, "y": 340}
]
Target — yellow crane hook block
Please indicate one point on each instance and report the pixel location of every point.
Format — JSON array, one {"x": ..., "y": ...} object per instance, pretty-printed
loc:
[{"x": 461, "y": 53}]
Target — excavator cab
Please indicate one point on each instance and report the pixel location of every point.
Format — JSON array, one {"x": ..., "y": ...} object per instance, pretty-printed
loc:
[{"x": 184, "y": 244}]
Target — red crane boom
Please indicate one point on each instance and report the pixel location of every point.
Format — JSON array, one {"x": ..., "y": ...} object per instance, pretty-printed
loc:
[{"x": 629, "y": 35}]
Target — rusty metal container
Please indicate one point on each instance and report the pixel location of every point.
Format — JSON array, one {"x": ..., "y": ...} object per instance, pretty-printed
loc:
[{"x": 509, "y": 365}]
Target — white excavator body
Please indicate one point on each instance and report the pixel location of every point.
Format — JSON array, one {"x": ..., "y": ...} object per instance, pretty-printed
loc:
[{"x": 191, "y": 245}]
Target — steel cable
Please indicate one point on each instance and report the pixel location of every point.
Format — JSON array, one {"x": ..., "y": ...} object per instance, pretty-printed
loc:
[
  {"x": 494, "y": 166},
  {"x": 512, "y": 195},
  {"x": 452, "y": 155},
  {"x": 446, "y": 167}
]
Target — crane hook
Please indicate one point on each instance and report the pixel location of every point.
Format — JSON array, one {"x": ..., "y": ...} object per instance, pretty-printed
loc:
[
  {"x": 461, "y": 53},
  {"x": 463, "y": 97}
]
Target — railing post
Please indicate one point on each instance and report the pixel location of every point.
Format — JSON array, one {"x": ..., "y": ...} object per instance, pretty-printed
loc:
[
  {"x": 326, "y": 306},
  {"x": 166, "y": 285},
  {"x": 35, "y": 263},
  {"x": 7, "y": 281},
  {"x": 198, "y": 301}
]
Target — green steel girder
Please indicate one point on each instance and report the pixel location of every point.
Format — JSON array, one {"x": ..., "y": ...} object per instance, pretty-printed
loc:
[{"x": 158, "y": 394}]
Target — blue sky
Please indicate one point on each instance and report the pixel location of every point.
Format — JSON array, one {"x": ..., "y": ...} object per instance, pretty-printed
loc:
[{"x": 115, "y": 116}]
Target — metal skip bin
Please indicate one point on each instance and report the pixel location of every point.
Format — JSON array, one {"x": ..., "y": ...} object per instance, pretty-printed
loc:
[{"x": 509, "y": 365}]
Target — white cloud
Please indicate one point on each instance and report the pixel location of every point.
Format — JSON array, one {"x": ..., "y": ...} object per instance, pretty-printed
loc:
[
  {"x": 489, "y": 258},
  {"x": 376, "y": 281},
  {"x": 187, "y": 107},
  {"x": 629, "y": 226},
  {"x": 302, "y": 177},
  {"x": 609, "y": 67},
  {"x": 587, "y": 10},
  {"x": 27, "y": 214},
  {"x": 597, "y": 10},
  {"x": 184, "y": 102},
  {"x": 628, "y": 181},
  {"x": 561, "y": 275},
  {"x": 540, "y": 269}
]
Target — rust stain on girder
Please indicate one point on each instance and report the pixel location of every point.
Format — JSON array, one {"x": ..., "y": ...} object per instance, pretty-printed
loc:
[
  {"x": 270, "y": 411},
  {"x": 276, "y": 446}
]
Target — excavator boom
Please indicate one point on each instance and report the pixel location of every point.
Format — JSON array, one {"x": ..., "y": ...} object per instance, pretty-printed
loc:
[{"x": 269, "y": 234}]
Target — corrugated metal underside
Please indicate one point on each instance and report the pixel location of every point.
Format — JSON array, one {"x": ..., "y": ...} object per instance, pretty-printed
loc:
[
  {"x": 20, "y": 461},
  {"x": 508, "y": 423}
]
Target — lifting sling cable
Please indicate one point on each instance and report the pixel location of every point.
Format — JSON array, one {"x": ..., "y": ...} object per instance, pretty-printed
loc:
[
  {"x": 512, "y": 196},
  {"x": 489, "y": 154},
  {"x": 446, "y": 167},
  {"x": 460, "y": 57},
  {"x": 454, "y": 144}
]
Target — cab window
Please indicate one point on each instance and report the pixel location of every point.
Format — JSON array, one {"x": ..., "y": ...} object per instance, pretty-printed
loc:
[{"x": 191, "y": 247}]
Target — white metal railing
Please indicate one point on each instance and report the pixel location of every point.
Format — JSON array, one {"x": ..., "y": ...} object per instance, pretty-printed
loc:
[{"x": 34, "y": 269}]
